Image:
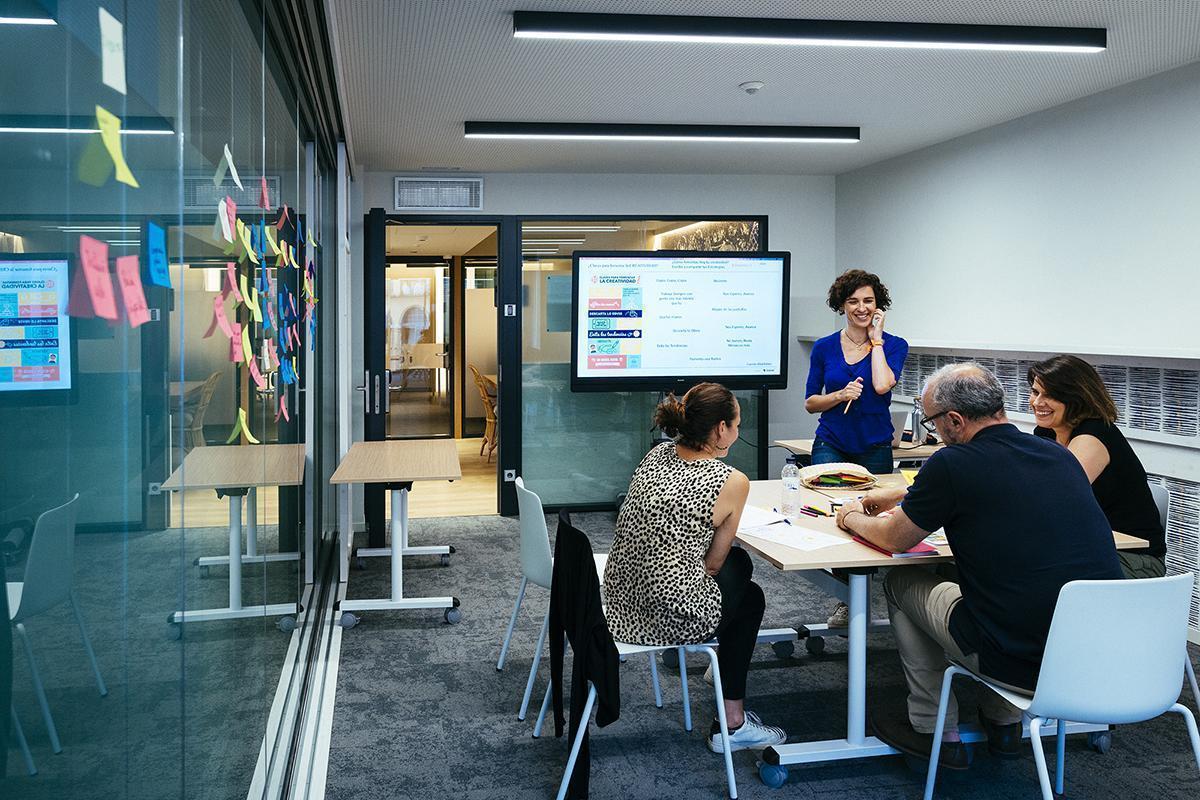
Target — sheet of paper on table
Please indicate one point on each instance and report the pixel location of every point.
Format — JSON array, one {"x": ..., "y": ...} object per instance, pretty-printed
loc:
[
  {"x": 753, "y": 517},
  {"x": 937, "y": 538},
  {"x": 796, "y": 536}
]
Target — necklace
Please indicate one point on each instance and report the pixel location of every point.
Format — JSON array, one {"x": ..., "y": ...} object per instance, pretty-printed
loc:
[{"x": 851, "y": 340}]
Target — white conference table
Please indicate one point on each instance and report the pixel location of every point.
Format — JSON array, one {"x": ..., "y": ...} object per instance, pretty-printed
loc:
[
  {"x": 398, "y": 463},
  {"x": 859, "y": 562},
  {"x": 905, "y": 451},
  {"x": 235, "y": 471}
]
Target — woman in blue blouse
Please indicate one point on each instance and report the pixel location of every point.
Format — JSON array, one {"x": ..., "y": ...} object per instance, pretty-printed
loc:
[
  {"x": 850, "y": 382},
  {"x": 851, "y": 377}
]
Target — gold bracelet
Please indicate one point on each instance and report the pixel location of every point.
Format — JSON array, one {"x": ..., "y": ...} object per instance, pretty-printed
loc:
[{"x": 877, "y": 342}]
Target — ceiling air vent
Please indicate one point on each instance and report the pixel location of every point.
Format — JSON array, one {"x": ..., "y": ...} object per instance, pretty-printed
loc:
[
  {"x": 199, "y": 193},
  {"x": 423, "y": 193}
]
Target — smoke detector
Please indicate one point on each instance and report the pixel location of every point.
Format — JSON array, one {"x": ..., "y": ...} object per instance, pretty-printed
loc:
[{"x": 751, "y": 87}]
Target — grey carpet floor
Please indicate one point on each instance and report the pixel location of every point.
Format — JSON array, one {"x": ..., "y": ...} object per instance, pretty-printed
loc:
[
  {"x": 422, "y": 712},
  {"x": 183, "y": 718}
]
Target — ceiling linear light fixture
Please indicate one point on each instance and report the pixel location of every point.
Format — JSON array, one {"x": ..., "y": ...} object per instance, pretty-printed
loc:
[
  {"x": 63, "y": 123},
  {"x": 94, "y": 228},
  {"x": 580, "y": 240},
  {"x": 661, "y": 133},
  {"x": 27, "y": 21},
  {"x": 813, "y": 32},
  {"x": 570, "y": 228}
]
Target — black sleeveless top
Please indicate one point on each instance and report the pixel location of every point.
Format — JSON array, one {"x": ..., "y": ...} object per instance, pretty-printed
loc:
[{"x": 1121, "y": 489}]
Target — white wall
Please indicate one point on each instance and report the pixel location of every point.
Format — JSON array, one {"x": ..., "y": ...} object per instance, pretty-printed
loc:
[
  {"x": 801, "y": 220},
  {"x": 1074, "y": 229}
]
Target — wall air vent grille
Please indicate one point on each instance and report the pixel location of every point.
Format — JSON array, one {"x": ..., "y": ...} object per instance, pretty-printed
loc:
[
  {"x": 199, "y": 193},
  {"x": 423, "y": 193}
]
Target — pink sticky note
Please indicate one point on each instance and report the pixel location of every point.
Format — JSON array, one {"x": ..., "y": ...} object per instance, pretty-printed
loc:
[
  {"x": 259, "y": 380},
  {"x": 93, "y": 296},
  {"x": 283, "y": 406},
  {"x": 235, "y": 343},
  {"x": 232, "y": 282},
  {"x": 283, "y": 215},
  {"x": 264, "y": 199},
  {"x": 219, "y": 318},
  {"x": 130, "y": 280},
  {"x": 231, "y": 211}
]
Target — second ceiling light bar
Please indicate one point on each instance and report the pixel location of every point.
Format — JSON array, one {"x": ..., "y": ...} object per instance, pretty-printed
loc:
[{"x": 670, "y": 133}]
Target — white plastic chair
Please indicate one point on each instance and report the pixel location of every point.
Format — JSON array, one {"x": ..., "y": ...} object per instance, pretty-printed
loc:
[
  {"x": 49, "y": 569},
  {"x": 1087, "y": 677},
  {"x": 537, "y": 565},
  {"x": 26, "y": 756},
  {"x": 1162, "y": 499}
]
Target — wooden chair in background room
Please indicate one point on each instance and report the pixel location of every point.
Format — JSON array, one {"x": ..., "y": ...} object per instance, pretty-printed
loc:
[
  {"x": 194, "y": 411},
  {"x": 491, "y": 433}
]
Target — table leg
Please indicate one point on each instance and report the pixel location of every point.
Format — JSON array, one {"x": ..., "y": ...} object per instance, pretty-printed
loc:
[
  {"x": 856, "y": 701},
  {"x": 252, "y": 522},
  {"x": 399, "y": 540},
  {"x": 235, "y": 552},
  {"x": 251, "y": 556}
]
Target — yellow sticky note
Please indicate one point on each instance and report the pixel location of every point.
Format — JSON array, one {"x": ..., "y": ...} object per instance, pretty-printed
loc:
[
  {"x": 247, "y": 350},
  {"x": 94, "y": 167},
  {"x": 253, "y": 306},
  {"x": 910, "y": 476},
  {"x": 241, "y": 426},
  {"x": 244, "y": 233},
  {"x": 110, "y": 134},
  {"x": 311, "y": 243},
  {"x": 245, "y": 291},
  {"x": 272, "y": 245}
]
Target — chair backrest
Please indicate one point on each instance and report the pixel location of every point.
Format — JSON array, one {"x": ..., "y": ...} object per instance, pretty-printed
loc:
[
  {"x": 1162, "y": 499},
  {"x": 489, "y": 409},
  {"x": 537, "y": 563},
  {"x": 1090, "y": 673},
  {"x": 207, "y": 390},
  {"x": 50, "y": 564}
]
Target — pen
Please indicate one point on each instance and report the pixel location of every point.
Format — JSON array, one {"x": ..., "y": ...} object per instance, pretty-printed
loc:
[
  {"x": 808, "y": 513},
  {"x": 816, "y": 510}
]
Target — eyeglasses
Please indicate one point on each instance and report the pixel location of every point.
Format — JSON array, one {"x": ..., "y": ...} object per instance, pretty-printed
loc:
[{"x": 927, "y": 422}]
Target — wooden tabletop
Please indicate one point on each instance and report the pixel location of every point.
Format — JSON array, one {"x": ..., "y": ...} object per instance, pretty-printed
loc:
[
  {"x": 906, "y": 450},
  {"x": 239, "y": 466},
  {"x": 767, "y": 495},
  {"x": 399, "y": 461}
]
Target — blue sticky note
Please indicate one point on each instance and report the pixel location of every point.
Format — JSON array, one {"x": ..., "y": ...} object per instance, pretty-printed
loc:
[{"x": 157, "y": 263}]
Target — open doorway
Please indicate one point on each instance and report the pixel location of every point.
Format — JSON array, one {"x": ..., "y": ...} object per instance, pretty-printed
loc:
[{"x": 441, "y": 354}]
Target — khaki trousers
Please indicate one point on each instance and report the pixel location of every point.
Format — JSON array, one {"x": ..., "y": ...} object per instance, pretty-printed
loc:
[{"x": 919, "y": 603}]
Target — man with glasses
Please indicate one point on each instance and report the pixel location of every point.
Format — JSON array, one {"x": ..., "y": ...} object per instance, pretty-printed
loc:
[{"x": 1022, "y": 521}]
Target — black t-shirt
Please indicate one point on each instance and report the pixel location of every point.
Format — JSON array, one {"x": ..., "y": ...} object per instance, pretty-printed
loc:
[
  {"x": 1121, "y": 489},
  {"x": 1022, "y": 522}
]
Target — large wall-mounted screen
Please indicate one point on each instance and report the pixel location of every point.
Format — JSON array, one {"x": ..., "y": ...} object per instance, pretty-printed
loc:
[
  {"x": 35, "y": 331},
  {"x": 666, "y": 320}
]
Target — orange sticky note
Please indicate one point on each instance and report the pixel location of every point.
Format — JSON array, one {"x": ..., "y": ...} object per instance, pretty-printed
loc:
[
  {"x": 130, "y": 281},
  {"x": 92, "y": 296}
]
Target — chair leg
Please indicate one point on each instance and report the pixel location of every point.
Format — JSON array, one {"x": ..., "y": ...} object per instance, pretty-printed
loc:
[
  {"x": 1191, "y": 676},
  {"x": 722, "y": 723},
  {"x": 938, "y": 729},
  {"x": 1193, "y": 735},
  {"x": 55, "y": 745},
  {"x": 87, "y": 645},
  {"x": 533, "y": 668},
  {"x": 683, "y": 682},
  {"x": 26, "y": 756},
  {"x": 1039, "y": 757},
  {"x": 575, "y": 745},
  {"x": 512, "y": 621},
  {"x": 654, "y": 680},
  {"x": 1060, "y": 748},
  {"x": 537, "y": 726}
]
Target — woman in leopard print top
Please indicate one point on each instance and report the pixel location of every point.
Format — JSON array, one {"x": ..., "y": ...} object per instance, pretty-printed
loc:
[{"x": 673, "y": 576}]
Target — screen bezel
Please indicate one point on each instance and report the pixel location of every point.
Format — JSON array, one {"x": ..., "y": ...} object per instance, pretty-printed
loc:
[
  {"x": 43, "y": 397},
  {"x": 668, "y": 383}
]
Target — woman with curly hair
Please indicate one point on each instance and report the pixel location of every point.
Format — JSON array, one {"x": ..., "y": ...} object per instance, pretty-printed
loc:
[{"x": 851, "y": 377}]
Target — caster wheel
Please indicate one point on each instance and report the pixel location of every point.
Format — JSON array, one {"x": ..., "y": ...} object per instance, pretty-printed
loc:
[
  {"x": 783, "y": 649},
  {"x": 670, "y": 659},
  {"x": 1100, "y": 741},
  {"x": 445, "y": 559},
  {"x": 773, "y": 775},
  {"x": 204, "y": 571},
  {"x": 347, "y": 620},
  {"x": 286, "y": 624},
  {"x": 815, "y": 645},
  {"x": 174, "y": 631},
  {"x": 453, "y": 616}
]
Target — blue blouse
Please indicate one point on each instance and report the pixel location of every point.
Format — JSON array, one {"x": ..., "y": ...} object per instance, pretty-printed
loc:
[{"x": 868, "y": 423}]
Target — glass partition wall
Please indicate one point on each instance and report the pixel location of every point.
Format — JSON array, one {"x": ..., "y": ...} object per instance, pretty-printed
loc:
[
  {"x": 147, "y": 316},
  {"x": 579, "y": 449}
]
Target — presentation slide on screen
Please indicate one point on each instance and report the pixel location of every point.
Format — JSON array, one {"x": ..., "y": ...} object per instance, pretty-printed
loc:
[
  {"x": 35, "y": 350},
  {"x": 682, "y": 316}
]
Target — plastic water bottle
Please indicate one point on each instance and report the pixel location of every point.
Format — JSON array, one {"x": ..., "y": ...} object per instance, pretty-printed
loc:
[{"x": 790, "y": 505}]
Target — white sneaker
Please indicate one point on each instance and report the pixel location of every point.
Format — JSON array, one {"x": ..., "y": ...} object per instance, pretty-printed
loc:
[
  {"x": 840, "y": 618},
  {"x": 753, "y": 735}
]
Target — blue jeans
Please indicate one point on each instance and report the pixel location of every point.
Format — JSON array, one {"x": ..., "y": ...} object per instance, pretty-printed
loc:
[{"x": 878, "y": 459}]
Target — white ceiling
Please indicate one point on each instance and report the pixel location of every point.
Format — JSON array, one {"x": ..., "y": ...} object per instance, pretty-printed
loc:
[
  {"x": 436, "y": 240},
  {"x": 412, "y": 71}
]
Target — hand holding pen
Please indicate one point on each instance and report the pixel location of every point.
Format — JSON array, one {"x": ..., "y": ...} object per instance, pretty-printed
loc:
[{"x": 852, "y": 392}]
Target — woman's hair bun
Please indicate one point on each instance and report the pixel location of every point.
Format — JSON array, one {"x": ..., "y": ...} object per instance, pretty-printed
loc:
[{"x": 669, "y": 415}]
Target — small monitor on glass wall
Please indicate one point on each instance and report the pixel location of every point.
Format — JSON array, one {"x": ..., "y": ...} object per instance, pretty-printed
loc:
[
  {"x": 37, "y": 358},
  {"x": 667, "y": 320}
]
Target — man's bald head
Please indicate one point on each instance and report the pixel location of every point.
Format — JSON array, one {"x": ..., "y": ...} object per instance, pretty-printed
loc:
[{"x": 967, "y": 388}]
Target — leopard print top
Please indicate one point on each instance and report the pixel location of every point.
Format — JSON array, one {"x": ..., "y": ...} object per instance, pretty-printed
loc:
[{"x": 655, "y": 586}]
